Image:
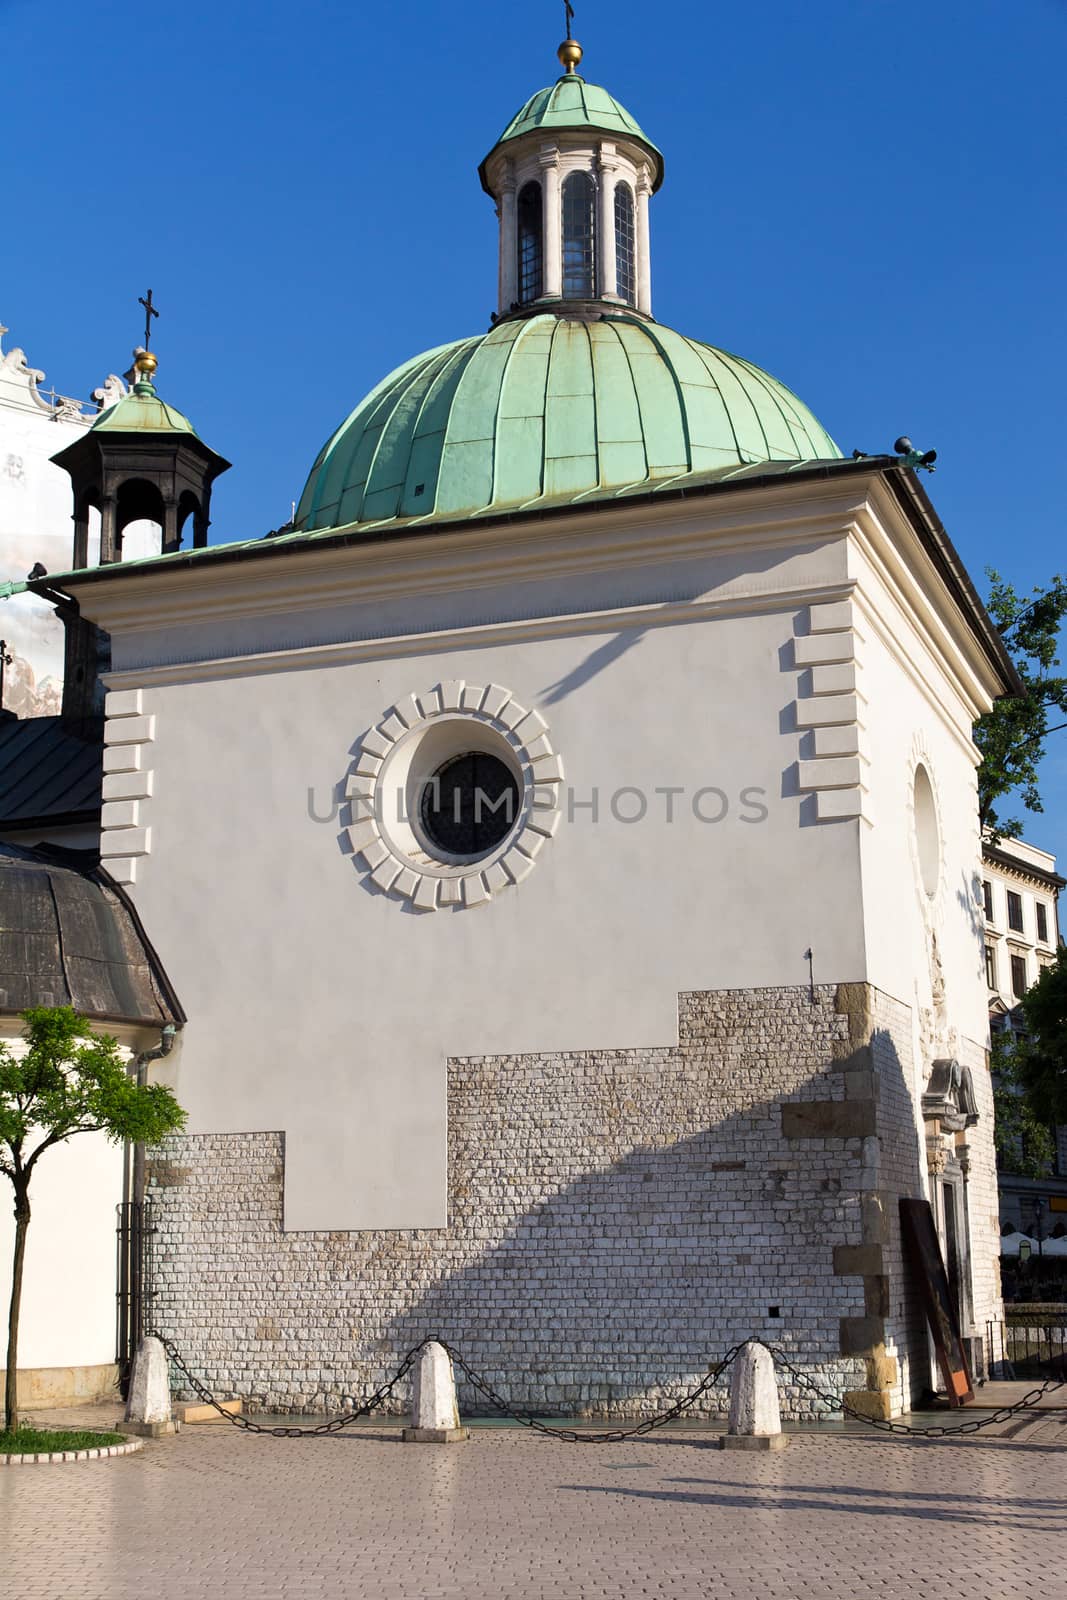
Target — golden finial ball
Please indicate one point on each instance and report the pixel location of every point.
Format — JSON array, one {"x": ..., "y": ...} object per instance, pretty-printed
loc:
[
  {"x": 570, "y": 54},
  {"x": 144, "y": 361}
]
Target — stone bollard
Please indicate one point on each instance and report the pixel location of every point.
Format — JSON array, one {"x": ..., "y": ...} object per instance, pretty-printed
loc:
[
  {"x": 148, "y": 1403},
  {"x": 755, "y": 1420},
  {"x": 434, "y": 1411}
]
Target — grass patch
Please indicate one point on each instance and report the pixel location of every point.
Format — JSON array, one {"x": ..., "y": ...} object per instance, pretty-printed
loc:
[{"x": 48, "y": 1441}]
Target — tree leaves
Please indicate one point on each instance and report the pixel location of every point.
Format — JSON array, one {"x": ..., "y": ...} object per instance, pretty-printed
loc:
[
  {"x": 1043, "y": 1055},
  {"x": 71, "y": 1081},
  {"x": 1012, "y": 736}
]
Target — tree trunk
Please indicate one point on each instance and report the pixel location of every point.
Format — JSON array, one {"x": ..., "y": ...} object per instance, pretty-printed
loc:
[{"x": 22, "y": 1223}]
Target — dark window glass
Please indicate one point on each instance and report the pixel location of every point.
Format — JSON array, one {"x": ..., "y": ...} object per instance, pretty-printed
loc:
[
  {"x": 625, "y": 272},
  {"x": 1015, "y": 911},
  {"x": 579, "y": 235},
  {"x": 1042, "y": 922},
  {"x": 1018, "y": 976},
  {"x": 531, "y": 253},
  {"x": 987, "y": 898},
  {"x": 469, "y": 805},
  {"x": 990, "y": 966}
]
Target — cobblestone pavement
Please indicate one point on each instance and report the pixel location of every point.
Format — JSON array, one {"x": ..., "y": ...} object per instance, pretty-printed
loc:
[{"x": 217, "y": 1513}]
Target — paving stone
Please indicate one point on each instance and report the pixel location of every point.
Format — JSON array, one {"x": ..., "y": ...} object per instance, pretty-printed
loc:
[{"x": 215, "y": 1514}]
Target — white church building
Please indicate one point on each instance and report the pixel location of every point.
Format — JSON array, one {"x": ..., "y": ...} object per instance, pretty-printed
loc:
[{"x": 563, "y": 842}]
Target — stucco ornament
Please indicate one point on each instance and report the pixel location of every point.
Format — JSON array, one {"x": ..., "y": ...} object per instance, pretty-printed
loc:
[{"x": 399, "y": 757}]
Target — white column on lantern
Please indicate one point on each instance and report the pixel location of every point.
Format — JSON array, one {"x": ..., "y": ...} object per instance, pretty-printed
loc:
[
  {"x": 553, "y": 224},
  {"x": 509, "y": 245},
  {"x": 609, "y": 289},
  {"x": 644, "y": 259}
]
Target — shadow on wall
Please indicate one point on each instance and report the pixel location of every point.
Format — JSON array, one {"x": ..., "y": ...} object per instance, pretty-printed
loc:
[
  {"x": 624, "y": 1283},
  {"x": 618, "y": 1220}
]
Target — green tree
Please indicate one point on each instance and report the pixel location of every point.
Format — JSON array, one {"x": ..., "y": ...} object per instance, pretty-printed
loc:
[
  {"x": 1043, "y": 1055},
  {"x": 1012, "y": 736},
  {"x": 1024, "y": 1143},
  {"x": 67, "y": 1081}
]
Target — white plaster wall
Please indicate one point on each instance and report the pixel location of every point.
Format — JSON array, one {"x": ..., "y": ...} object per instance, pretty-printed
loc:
[
  {"x": 327, "y": 1011},
  {"x": 915, "y": 714},
  {"x": 68, "y": 1293},
  {"x": 35, "y": 525}
]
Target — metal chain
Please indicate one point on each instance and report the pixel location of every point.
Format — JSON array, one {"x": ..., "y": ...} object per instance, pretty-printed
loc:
[
  {"x": 936, "y": 1431},
  {"x": 571, "y": 1435},
  {"x": 833, "y": 1402},
  {"x": 334, "y": 1425}
]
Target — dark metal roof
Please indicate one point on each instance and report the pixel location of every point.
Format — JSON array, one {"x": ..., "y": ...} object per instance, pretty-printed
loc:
[
  {"x": 69, "y": 936},
  {"x": 48, "y": 775}
]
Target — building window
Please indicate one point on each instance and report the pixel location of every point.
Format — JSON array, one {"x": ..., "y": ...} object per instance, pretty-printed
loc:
[
  {"x": 579, "y": 236},
  {"x": 625, "y": 275},
  {"x": 469, "y": 805},
  {"x": 1018, "y": 976},
  {"x": 1015, "y": 911},
  {"x": 987, "y": 899},
  {"x": 990, "y": 966},
  {"x": 531, "y": 252},
  {"x": 1042, "y": 922},
  {"x": 927, "y": 831}
]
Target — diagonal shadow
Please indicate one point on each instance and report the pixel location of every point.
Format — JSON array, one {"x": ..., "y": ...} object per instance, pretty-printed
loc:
[{"x": 768, "y": 1501}]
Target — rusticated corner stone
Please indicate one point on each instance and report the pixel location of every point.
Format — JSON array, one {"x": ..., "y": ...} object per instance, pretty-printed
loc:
[
  {"x": 857, "y": 1260},
  {"x": 861, "y": 1083},
  {"x": 862, "y": 1336},
  {"x": 828, "y": 1119},
  {"x": 853, "y": 1000},
  {"x": 876, "y": 1403},
  {"x": 882, "y": 1372},
  {"x": 874, "y": 1224},
  {"x": 876, "y": 1296}
]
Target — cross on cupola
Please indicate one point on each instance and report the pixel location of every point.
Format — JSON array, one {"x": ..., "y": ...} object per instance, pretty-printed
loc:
[
  {"x": 142, "y": 461},
  {"x": 149, "y": 312},
  {"x": 572, "y": 175}
]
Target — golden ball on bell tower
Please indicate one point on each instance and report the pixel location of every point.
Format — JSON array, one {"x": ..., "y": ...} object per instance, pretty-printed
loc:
[{"x": 570, "y": 54}]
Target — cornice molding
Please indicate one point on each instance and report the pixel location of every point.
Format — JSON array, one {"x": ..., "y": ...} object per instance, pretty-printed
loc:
[
  {"x": 439, "y": 562},
  {"x": 748, "y": 602}
]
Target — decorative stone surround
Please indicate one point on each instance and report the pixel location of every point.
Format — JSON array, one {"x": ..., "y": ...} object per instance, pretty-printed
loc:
[
  {"x": 390, "y": 854},
  {"x": 128, "y": 735},
  {"x": 57, "y": 1457},
  {"x": 830, "y": 713}
]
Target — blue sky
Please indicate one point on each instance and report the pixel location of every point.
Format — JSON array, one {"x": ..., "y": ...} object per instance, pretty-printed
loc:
[{"x": 866, "y": 198}]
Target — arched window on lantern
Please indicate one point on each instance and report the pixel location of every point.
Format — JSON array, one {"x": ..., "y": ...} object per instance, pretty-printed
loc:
[
  {"x": 531, "y": 252},
  {"x": 579, "y": 237},
  {"x": 625, "y": 256}
]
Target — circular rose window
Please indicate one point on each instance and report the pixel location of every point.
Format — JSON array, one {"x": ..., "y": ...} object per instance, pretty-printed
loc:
[{"x": 453, "y": 795}]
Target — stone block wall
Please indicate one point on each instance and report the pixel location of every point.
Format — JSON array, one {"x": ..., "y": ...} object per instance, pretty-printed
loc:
[{"x": 618, "y": 1219}]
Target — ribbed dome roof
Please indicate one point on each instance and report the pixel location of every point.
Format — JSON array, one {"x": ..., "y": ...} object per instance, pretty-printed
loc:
[
  {"x": 571, "y": 103},
  {"x": 551, "y": 407},
  {"x": 142, "y": 411}
]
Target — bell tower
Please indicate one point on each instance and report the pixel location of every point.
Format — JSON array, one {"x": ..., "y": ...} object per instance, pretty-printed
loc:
[
  {"x": 140, "y": 461},
  {"x": 572, "y": 175}
]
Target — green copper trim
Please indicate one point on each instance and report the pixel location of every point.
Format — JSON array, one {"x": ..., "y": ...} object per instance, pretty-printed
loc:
[
  {"x": 548, "y": 408},
  {"x": 573, "y": 105},
  {"x": 142, "y": 411}
]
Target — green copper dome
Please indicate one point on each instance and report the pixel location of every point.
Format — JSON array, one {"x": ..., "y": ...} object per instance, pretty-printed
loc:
[
  {"x": 142, "y": 411},
  {"x": 551, "y": 407},
  {"x": 573, "y": 104}
]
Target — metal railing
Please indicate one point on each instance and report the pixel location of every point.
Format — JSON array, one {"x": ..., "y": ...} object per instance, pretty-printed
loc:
[
  {"x": 135, "y": 1296},
  {"x": 1031, "y": 1347}
]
